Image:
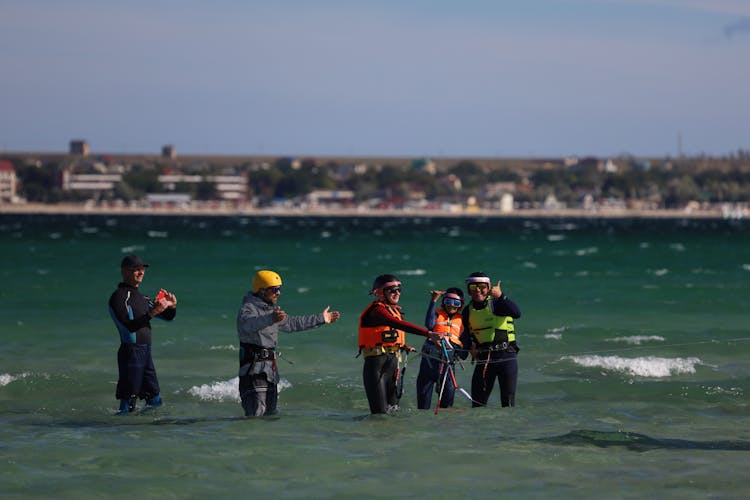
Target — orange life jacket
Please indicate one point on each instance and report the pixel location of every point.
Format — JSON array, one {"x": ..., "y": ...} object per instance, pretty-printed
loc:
[
  {"x": 381, "y": 335},
  {"x": 451, "y": 326}
]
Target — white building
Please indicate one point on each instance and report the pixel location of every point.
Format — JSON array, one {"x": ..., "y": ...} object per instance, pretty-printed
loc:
[{"x": 8, "y": 182}]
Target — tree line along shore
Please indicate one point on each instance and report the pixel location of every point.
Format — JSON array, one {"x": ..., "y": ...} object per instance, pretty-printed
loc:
[{"x": 618, "y": 186}]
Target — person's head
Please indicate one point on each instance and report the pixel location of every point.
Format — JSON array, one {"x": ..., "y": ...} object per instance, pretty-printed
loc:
[
  {"x": 267, "y": 286},
  {"x": 132, "y": 269},
  {"x": 478, "y": 285},
  {"x": 387, "y": 288},
  {"x": 452, "y": 300}
]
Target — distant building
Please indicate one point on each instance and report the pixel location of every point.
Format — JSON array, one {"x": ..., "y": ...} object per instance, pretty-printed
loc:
[
  {"x": 89, "y": 183},
  {"x": 168, "y": 151},
  {"x": 168, "y": 200},
  {"x": 330, "y": 198},
  {"x": 506, "y": 203},
  {"x": 8, "y": 182},
  {"x": 79, "y": 147},
  {"x": 228, "y": 187}
]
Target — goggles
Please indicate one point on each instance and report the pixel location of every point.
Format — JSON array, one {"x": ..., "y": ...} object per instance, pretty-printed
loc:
[
  {"x": 274, "y": 289},
  {"x": 392, "y": 289},
  {"x": 452, "y": 302},
  {"x": 477, "y": 286}
]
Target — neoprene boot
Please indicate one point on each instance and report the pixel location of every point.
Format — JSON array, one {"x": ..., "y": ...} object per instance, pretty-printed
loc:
[
  {"x": 155, "y": 402},
  {"x": 124, "y": 407}
]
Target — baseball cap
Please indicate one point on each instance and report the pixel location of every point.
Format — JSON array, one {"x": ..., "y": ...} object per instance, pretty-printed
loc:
[{"x": 132, "y": 261}]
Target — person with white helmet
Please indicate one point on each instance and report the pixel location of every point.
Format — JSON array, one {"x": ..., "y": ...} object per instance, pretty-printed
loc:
[
  {"x": 489, "y": 329},
  {"x": 258, "y": 323}
]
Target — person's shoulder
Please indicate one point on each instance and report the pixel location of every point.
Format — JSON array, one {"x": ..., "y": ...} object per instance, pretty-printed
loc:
[
  {"x": 253, "y": 300},
  {"x": 121, "y": 288}
]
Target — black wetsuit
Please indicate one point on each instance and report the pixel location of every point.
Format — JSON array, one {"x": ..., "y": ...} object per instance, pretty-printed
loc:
[
  {"x": 129, "y": 310},
  {"x": 380, "y": 372},
  {"x": 501, "y": 363}
]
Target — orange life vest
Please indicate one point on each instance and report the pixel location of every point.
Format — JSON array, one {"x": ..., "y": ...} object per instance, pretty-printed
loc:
[
  {"x": 381, "y": 335},
  {"x": 451, "y": 326}
]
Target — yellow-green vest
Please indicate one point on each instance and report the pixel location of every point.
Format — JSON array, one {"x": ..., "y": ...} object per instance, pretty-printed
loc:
[{"x": 484, "y": 325}]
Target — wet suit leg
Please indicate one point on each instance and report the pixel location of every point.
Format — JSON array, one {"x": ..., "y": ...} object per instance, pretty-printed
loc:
[
  {"x": 379, "y": 376},
  {"x": 481, "y": 382},
  {"x": 137, "y": 375},
  {"x": 449, "y": 392},
  {"x": 507, "y": 375},
  {"x": 259, "y": 397},
  {"x": 426, "y": 382},
  {"x": 150, "y": 383}
]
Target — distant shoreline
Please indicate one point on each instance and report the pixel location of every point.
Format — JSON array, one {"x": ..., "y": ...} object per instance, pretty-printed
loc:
[{"x": 81, "y": 209}]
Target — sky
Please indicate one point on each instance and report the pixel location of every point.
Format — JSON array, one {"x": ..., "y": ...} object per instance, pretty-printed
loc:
[{"x": 415, "y": 78}]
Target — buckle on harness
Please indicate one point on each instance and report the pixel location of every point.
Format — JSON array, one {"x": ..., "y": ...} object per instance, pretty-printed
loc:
[{"x": 501, "y": 346}]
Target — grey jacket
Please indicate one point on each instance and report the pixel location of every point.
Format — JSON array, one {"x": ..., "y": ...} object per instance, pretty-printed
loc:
[{"x": 255, "y": 326}]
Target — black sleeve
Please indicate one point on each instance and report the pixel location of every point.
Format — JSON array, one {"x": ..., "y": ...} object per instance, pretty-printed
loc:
[
  {"x": 503, "y": 306},
  {"x": 168, "y": 314}
]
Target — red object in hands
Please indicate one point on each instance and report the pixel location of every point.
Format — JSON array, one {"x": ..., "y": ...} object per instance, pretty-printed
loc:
[{"x": 162, "y": 293}]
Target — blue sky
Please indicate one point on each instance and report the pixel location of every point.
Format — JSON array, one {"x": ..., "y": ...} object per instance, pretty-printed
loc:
[{"x": 490, "y": 78}]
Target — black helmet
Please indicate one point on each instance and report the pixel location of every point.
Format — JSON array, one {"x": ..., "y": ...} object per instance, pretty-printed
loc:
[
  {"x": 383, "y": 280},
  {"x": 455, "y": 291}
]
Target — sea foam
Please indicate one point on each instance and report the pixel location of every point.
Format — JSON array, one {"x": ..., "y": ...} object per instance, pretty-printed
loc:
[
  {"x": 642, "y": 367},
  {"x": 637, "y": 339},
  {"x": 226, "y": 390},
  {"x": 7, "y": 378}
]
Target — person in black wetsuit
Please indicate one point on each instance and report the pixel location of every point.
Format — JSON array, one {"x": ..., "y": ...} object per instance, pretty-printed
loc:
[
  {"x": 490, "y": 331},
  {"x": 381, "y": 340},
  {"x": 132, "y": 312}
]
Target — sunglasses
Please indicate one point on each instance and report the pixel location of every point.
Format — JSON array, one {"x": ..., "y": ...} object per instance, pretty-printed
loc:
[
  {"x": 478, "y": 286},
  {"x": 274, "y": 289},
  {"x": 393, "y": 289},
  {"x": 452, "y": 302}
]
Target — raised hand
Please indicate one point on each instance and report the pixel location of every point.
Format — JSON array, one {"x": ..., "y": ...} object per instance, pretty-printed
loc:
[
  {"x": 496, "y": 291},
  {"x": 278, "y": 314},
  {"x": 330, "y": 317}
]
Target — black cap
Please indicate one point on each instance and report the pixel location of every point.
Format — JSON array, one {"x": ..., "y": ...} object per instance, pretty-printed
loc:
[{"x": 132, "y": 261}]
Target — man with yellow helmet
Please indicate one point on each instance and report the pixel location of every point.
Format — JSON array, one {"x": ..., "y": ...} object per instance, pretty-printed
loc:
[{"x": 258, "y": 323}]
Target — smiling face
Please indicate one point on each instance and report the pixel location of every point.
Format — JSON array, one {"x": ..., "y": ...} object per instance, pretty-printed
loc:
[
  {"x": 451, "y": 306},
  {"x": 133, "y": 276},
  {"x": 389, "y": 294},
  {"x": 478, "y": 291}
]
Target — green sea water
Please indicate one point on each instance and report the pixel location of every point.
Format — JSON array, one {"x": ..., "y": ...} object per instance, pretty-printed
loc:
[{"x": 634, "y": 364}]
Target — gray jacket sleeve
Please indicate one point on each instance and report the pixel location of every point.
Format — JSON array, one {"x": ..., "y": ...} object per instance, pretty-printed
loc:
[{"x": 304, "y": 322}]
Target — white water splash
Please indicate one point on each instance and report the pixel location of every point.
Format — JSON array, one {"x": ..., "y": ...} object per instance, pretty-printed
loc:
[
  {"x": 411, "y": 272},
  {"x": 642, "y": 367},
  {"x": 227, "y": 347},
  {"x": 226, "y": 390},
  {"x": 637, "y": 339},
  {"x": 7, "y": 378},
  {"x": 587, "y": 251}
]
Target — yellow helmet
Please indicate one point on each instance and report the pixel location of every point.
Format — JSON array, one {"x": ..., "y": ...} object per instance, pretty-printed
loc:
[{"x": 265, "y": 279}]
